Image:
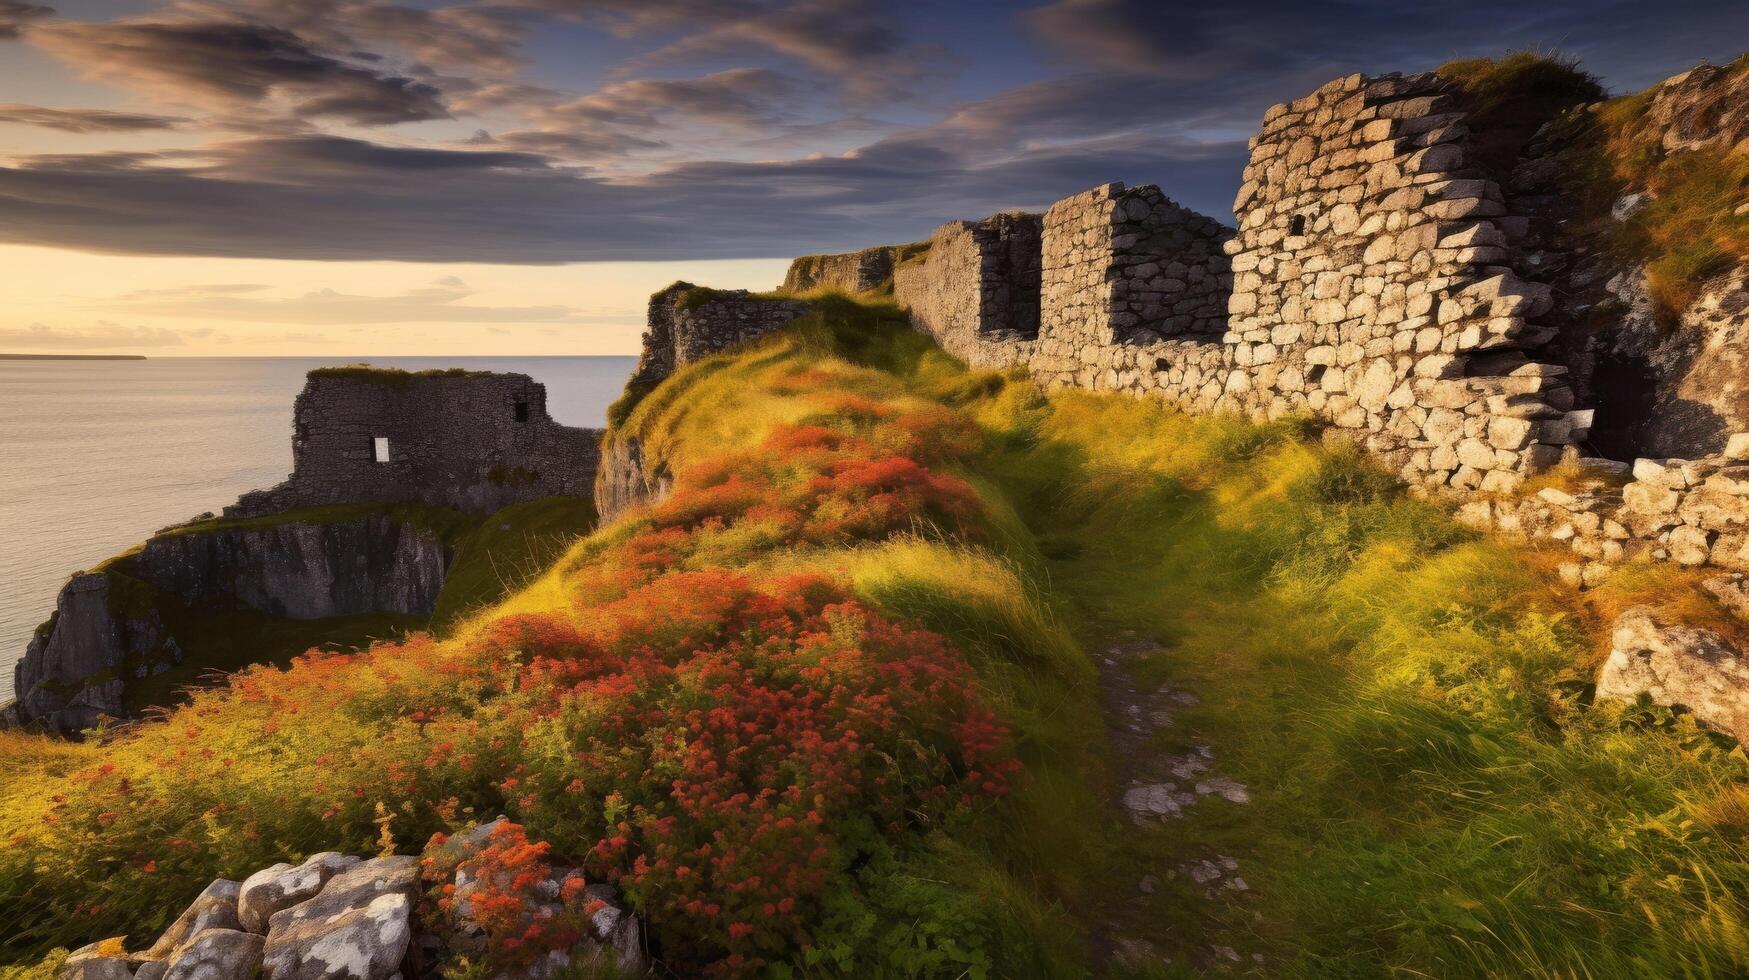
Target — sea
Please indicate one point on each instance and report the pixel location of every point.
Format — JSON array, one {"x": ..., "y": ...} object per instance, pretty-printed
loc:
[{"x": 96, "y": 455}]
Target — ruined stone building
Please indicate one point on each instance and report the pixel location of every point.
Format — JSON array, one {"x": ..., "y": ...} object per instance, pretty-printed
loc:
[
  {"x": 471, "y": 440},
  {"x": 1381, "y": 280}
]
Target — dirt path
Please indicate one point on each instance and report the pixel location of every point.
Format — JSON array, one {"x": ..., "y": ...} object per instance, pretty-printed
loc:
[{"x": 1159, "y": 786}]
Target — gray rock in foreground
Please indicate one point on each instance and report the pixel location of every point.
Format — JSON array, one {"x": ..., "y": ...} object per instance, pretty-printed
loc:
[
  {"x": 1679, "y": 666},
  {"x": 218, "y": 954},
  {"x": 358, "y": 926}
]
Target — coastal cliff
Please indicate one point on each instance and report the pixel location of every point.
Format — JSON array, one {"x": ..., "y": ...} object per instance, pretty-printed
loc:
[
  {"x": 302, "y": 569},
  {"x": 396, "y": 476},
  {"x": 114, "y": 625}
]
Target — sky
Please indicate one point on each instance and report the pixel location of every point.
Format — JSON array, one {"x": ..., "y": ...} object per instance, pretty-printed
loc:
[{"x": 377, "y": 177}]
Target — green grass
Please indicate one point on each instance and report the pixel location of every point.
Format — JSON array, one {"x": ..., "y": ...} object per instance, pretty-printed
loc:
[
  {"x": 508, "y": 550},
  {"x": 1433, "y": 795}
]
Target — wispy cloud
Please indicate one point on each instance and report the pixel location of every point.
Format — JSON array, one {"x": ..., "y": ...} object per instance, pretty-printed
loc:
[
  {"x": 86, "y": 120},
  {"x": 101, "y": 336},
  {"x": 440, "y": 302}
]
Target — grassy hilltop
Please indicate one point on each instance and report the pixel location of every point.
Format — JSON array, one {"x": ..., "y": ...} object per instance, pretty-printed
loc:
[{"x": 834, "y": 709}]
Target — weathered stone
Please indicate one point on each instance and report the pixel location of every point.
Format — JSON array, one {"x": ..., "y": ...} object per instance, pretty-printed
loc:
[
  {"x": 358, "y": 926},
  {"x": 214, "y": 908},
  {"x": 1679, "y": 666},
  {"x": 1690, "y": 545},
  {"x": 280, "y": 887},
  {"x": 96, "y": 962},
  {"x": 217, "y": 954},
  {"x": 1732, "y": 591}
]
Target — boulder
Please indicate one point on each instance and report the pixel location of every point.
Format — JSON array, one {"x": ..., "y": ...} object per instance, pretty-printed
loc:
[
  {"x": 213, "y": 908},
  {"x": 359, "y": 925},
  {"x": 1678, "y": 666},
  {"x": 96, "y": 962},
  {"x": 280, "y": 887},
  {"x": 217, "y": 954}
]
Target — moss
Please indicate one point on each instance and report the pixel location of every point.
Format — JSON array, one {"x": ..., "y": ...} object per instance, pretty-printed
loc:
[
  {"x": 511, "y": 476},
  {"x": 627, "y": 402}
]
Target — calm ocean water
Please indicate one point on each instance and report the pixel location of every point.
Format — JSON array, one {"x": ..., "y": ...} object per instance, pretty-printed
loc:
[{"x": 96, "y": 455}]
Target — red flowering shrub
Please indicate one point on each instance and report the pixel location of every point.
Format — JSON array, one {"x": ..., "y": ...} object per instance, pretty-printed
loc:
[{"x": 725, "y": 743}]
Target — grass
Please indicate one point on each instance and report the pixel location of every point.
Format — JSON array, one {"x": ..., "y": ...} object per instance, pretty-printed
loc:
[
  {"x": 397, "y": 377},
  {"x": 1438, "y": 796},
  {"x": 506, "y": 551},
  {"x": 1510, "y": 98},
  {"x": 1690, "y": 230}
]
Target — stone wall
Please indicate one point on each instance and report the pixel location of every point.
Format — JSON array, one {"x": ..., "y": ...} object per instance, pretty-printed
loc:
[
  {"x": 469, "y": 440},
  {"x": 1368, "y": 285},
  {"x": 978, "y": 291},
  {"x": 852, "y": 272},
  {"x": 688, "y": 323}
]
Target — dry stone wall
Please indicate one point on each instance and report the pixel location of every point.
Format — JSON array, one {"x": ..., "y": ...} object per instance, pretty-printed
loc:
[
  {"x": 978, "y": 292},
  {"x": 473, "y": 441},
  {"x": 1367, "y": 284},
  {"x": 852, "y": 272},
  {"x": 688, "y": 323}
]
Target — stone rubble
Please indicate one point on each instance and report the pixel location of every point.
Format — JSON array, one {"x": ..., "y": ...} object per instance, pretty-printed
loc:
[
  {"x": 1678, "y": 666},
  {"x": 336, "y": 915}
]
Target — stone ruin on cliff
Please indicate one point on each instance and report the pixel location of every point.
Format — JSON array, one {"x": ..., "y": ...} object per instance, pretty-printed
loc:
[{"x": 470, "y": 440}]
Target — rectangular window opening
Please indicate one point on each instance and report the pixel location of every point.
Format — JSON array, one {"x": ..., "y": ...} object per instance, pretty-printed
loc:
[
  {"x": 522, "y": 411},
  {"x": 381, "y": 445}
]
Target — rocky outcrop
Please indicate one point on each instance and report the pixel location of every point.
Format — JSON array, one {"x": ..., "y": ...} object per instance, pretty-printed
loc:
[
  {"x": 624, "y": 481},
  {"x": 1678, "y": 666},
  {"x": 76, "y": 669},
  {"x": 112, "y": 626},
  {"x": 337, "y": 915},
  {"x": 301, "y": 569}
]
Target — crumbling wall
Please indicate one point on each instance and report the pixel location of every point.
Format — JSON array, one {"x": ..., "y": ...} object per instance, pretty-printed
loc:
[
  {"x": 978, "y": 290},
  {"x": 687, "y": 323},
  {"x": 852, "y": 272},
  {"x": 470, "y": 440}
]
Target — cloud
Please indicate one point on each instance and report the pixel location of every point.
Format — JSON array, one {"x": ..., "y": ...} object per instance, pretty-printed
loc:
[
  {"x": 853, "y": 42},
  {"x": 1251, "y": 40},
  {"x": 85, "y": 120},
  {"x": 102, "y": 336},
  {"x": 620, "y": 118},
  {"x": 325, "y": 197},
  {"x": 15, "y": 14},
  {"x": 485, "y": 37},
  {"x": 438, "y": 303},
  {"x": 238, "y": 66}
]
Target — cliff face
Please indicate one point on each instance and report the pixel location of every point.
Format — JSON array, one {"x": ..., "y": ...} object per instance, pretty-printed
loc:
[
  {"x": 302, "y": 570},
  {"x": 76, "y": 669},
  {"x": 624, "y": 481},
  {"x": 110, "y": 626}
]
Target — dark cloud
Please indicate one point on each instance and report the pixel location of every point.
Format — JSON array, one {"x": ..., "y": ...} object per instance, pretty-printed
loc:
[
  {"x": 330, "y": 198},
  {"x": 15, "y": 14},
  {"x": 238, "y": 66},
  {"x": 625, "y": 118},
  {"x": 1262, "y": 39},
  {"x": 484, "y": 37},
  {"x": 85, "y": 120},
  {"x": 856, "y": 43}
]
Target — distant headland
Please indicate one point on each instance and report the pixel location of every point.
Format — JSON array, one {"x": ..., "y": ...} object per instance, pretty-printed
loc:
[{"x": 72, "y": 357}]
